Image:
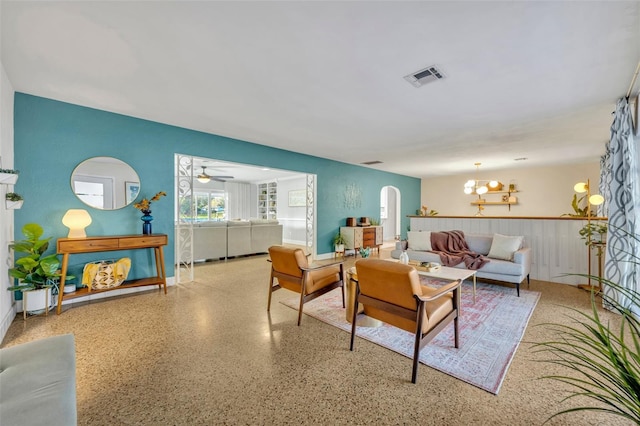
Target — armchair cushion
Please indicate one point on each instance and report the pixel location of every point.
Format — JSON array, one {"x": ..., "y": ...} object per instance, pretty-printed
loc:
[
  {"x": 322, "y": 277},
  {"x": 397, "y": 283}
]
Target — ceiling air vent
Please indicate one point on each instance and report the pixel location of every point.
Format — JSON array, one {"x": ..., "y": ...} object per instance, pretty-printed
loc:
[{"x": 424, "y": 76}]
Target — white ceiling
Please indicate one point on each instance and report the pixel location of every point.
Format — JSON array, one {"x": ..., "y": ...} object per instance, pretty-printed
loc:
[
  {"x": 524, "y": 79},
  {"x": 241, "y": 172}
]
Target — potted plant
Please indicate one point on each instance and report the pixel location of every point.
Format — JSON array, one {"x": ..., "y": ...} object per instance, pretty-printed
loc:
[
  {"x": 13, "y": 200},
  {"x": 37, "y": 274},
  {"x": 593, "y": 233},
  {"x": 600, "y": 359},
  {"x": 8, "y": 176},
  {"x": 339, "y": 242}
]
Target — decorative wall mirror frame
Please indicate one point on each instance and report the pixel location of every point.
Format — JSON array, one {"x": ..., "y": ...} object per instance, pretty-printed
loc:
[{"x": 105, "y": 183}]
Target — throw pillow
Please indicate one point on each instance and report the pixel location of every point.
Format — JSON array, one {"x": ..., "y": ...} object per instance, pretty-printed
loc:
[
  {"x": 503, "y": 246},
  {"x": 419, "y": 240}
]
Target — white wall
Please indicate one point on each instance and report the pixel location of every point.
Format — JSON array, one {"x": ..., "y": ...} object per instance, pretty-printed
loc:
[
  {"x": 7, "y": 309},
  {"x": 293, "y": 219},
  {"x": 543, "y": 191}
]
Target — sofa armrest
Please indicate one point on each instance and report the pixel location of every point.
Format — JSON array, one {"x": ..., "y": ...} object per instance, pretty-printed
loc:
[
  {"x": 401, "y": 245},
  {"x": 523, "y": 257}
]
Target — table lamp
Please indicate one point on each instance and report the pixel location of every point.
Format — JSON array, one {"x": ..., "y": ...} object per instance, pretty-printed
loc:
[{"x": 76, "y": 220}]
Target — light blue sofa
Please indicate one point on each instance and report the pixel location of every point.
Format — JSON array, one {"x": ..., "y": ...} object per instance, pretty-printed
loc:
[
  {"x": 513, "y": 271},
  {"x": 38, "y": 383}
]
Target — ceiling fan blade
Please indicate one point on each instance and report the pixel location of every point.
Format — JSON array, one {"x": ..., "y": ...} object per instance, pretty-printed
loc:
[
  {"x": 222, "y": 177},
  {"x": 217, "y": 179}
]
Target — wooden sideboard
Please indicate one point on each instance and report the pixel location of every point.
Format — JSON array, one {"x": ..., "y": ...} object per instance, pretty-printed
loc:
[
  {"x": 68, "y": 246},
  {"x": 357, "y": 237}
]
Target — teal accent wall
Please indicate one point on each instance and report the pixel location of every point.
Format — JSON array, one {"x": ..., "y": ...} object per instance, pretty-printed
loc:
[{"x": 51, "y": 138}]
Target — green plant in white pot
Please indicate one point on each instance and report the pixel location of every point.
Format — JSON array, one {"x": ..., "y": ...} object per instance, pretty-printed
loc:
[
  {"x": 8, "y": 176},
  {"x": 339, "y": 242},
  {"x": 593, "y": 232},
  {"x": 13, "y": 200},
  {"x": 35, "y": 272}
]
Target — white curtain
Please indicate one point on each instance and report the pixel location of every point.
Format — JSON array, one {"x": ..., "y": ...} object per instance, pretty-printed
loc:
[
  {"x": 238, "y": 197},
  {"x": 606, "y": 177},
  {"x": 623, "y": 199}
]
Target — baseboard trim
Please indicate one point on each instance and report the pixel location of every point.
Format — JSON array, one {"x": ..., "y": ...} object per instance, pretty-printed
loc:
[{"x": 7, "y": 320}]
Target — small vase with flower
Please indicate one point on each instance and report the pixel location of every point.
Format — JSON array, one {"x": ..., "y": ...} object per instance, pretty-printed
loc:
[{"x": 145, "y": 207}]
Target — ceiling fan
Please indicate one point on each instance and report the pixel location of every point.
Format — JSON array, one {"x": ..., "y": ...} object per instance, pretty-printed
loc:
[{"x": 204, "y": 177}]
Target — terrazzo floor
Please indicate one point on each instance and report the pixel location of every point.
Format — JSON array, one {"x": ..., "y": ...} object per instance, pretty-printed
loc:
[{"x": 208, "y": 353}]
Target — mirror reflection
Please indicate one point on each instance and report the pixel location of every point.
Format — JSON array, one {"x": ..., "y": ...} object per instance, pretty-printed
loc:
[{"x": 105, "y": 183}]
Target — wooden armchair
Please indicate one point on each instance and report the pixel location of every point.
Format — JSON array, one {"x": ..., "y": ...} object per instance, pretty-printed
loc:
[
  {"x": 292, "y": 271},
  {"x": 392, "y": 293}
]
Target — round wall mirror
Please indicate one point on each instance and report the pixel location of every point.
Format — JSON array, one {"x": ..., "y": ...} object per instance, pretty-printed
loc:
[{"x": 105, "y": 183}]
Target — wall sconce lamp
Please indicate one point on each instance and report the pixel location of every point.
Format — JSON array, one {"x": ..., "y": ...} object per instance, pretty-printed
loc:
[{"x": 76, "y": 220}]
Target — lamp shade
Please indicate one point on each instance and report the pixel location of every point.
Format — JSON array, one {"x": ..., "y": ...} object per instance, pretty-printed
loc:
[
  {"x": 596, "y": 199},
  {"x": 76, "y": 220},
  {"x": 580, "y": 187},
  {"x": 203, "y": 179}
]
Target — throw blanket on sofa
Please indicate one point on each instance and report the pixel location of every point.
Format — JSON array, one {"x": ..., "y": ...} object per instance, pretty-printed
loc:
[{"x": 452, "y": 249}]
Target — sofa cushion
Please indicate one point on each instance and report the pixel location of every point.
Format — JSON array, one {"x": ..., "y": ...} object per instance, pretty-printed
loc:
[
  {"x": 39, "y": 382},
  {"x": 504, "y": 246},
  {"x": 479, "y": 243},
  {"x": 419, "y": 240},
  {"x": 501, "y": 267},
  {"x": 213, "y": 223}
]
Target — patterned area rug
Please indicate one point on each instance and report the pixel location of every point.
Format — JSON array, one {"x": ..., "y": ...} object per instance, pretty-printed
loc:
[{"x": 490, "y": 332}]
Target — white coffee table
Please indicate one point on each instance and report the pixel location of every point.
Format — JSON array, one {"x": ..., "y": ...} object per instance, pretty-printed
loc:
[{"x": 453, "y": 274}]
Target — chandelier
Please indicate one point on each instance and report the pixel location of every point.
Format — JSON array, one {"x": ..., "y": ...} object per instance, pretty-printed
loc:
[{"x": 479, "y": 187}]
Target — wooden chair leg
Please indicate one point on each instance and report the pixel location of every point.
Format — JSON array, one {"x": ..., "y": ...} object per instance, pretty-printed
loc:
[
  {"x": 418, "y": 341},
  {"x": 270, "y": 291},
  {"x": 300, "y": 309},
  {"x": 353, "y": 322},
  {"x": 456, "y": 334}
]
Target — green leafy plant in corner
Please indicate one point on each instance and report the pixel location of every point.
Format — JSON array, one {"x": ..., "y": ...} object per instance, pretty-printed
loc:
[
  {"x": 338, "y": 239},
  {"x": 34, "y": 271},
  {"x": 12, "y": 196},
  {"x": 604, "y": 363}
]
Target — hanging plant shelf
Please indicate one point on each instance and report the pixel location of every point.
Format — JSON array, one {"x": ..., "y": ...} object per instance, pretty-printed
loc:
[
  {"x": 13, "y": 205},
  {"x": 8, "y": 178}
]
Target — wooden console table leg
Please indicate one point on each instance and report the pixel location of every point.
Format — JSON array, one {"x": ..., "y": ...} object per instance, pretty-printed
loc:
[
  {"x": 63, "y": 272},
  {"x": 160, "y": 267}
]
